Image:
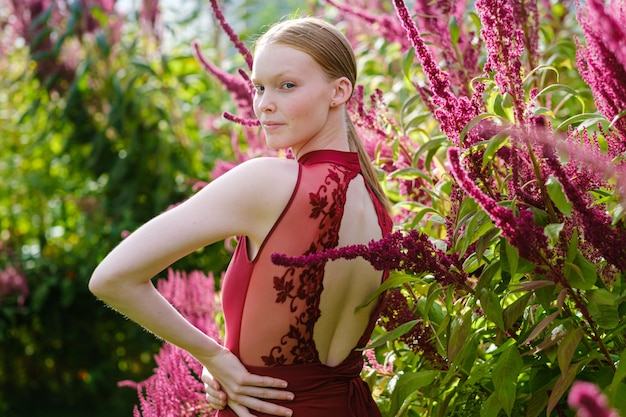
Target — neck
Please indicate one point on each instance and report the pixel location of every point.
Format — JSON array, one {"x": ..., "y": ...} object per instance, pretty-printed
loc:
[{"x": 334, "y": 137}]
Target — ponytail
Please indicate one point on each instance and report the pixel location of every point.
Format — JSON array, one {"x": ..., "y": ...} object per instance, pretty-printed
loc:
[{"x": 367, "y": 168}]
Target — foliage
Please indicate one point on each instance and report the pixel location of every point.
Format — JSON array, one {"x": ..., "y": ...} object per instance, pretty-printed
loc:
[
  {"x": 509, "y": 255},
  {"x": 101, "y": 130},
  {"x": 497, "y": 128}
]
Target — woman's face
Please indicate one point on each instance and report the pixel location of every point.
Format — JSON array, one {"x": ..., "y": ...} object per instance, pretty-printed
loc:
[{"x": 292, "y": 99}]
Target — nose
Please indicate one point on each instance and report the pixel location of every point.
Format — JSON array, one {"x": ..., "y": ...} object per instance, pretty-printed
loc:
[{"x": 265, "y": 102}]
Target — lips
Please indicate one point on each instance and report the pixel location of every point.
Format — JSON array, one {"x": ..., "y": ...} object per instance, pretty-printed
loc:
[{"x": 271, "y": 125}]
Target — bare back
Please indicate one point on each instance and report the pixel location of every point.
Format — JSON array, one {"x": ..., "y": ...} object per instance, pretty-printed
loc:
[{"x": 286, "y": 315}]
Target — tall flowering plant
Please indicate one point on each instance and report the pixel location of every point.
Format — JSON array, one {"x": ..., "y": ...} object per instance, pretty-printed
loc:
[
  {"x": 176, "y": 389},
  {"x": 498, "y": 130}
]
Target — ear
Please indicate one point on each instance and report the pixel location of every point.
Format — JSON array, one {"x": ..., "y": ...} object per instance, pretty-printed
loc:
[{"x": 342, "y": 91}]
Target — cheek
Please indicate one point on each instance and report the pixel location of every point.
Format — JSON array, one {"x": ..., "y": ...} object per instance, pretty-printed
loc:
[{"x": 255, "y": 106}]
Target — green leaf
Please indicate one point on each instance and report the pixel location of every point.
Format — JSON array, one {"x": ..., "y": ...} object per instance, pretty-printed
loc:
[
  {"x": 458, "y": 334},
  {"x": 586, "y": 119},
  {"x": 455, "y": 31},
  {"x": 620, "y": 371},
  {"x": 515, "y": 310},
  {"x": 541, "y": 326},
  {"x": 487, "y": 276},
  {"x": 407, "y": 384},
  {"x": 606, "y": 316},
  {"x": 491, "y": 407},
  {"x": 555, "y": 191},
  {"x": 491, "y": 306},
  {"x": 553, "y": 231},
  {"x": 410, "y": 174},
  {"x": 494, "y": 144},
  {"x": 580, "y": 273},
  {"x": 567, "y": 348},
  {"x": 472, "y": 123},
  {"x": 392, "y": 335},
  {"x": 407, "y": 62},
  {"x": 562, "y": 385},
  {"x": 537, "y": 403},
  {"x": 512, "y": 257},
  {"x": 395, "y": 280},
  {"x": 504, "y": 377}
]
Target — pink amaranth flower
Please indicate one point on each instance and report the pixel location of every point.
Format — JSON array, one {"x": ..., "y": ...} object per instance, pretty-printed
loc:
[
  {"x": 504, "y": 39},
  {"x": 587, "y": 399},
  {"x": 234, "y": 38},
  {"x": 596, "y": 223},
  {"x": 13, "y": 283},
  {"x": 520, "y": 230},
  {"x": 371, "y": 363},
  {"x": 175, "y": 389},
  {"x": 602, "y": 61},
  {"x": 396, "y": 311},
  {"x": 237, "y": 85},
  {"x": 411, "y": 251},
  {"x": 385, "y": 26},
  {"x": 452, "y": 113}
]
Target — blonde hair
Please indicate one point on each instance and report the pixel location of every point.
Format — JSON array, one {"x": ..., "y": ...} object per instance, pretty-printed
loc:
[{"x": 331, "y": 50}]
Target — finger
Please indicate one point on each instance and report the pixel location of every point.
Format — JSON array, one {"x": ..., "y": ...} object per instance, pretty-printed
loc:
[
  {"x": 216, "y": 401},
  {"x": 206, "y": 376},
  {"x": 263, "y": 407},
  {"x": 265, "y": 393},
  {"x": 239, "y": 409},
  {"x": 264, "y": 381}
]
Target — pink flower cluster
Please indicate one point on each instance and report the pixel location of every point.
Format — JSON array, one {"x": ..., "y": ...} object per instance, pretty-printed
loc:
[
  {"x": 13, "y": 283},
  {"x": 520, "y": 230},
  {"x": 412, "y": 251},
  {"x": 587, "y": 399},
  {"x": 395, "y": 312},
  {"x": 602, "y": 61},
  {"x": 452, "y": 113},
  {"x": 503, "y": 34},
  {"x": 175, "y": 389},
  {"x": 38, "y": 22}
]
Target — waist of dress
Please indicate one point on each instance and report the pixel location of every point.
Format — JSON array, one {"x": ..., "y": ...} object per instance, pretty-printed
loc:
[
  {"x": 308, "y": 376},
  {"x": 314, "y": 384}
]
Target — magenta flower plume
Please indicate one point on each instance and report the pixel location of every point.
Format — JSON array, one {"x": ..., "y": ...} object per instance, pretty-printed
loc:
[
  {"x": 596, "y": 223},
  {"x": 587, "y": 399},
  {"x": 395, "y": 312},
  {"x": 175, "y": 388},
  {"x": 240, "y": 120},
  {"x": 234, "y": 38},
  {"x": 239, "y": 86},
  {"x": 602, "y": 62},
  {"x": 521, "y": 231},
  {"x": 385, "y": 25},
  {"x": 13, "y": 283},
  {"x": 439, "y": 81},
  {"x": 452, "y": 113},
  {"x": 504, "y": 39},
  {"x": 412, "y": 251}
]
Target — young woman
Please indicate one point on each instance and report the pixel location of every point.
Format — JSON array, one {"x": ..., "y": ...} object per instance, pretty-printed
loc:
[{"x": 292, "y": 334}]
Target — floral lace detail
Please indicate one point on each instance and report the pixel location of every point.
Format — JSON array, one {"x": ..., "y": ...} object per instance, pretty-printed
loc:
[{"x": 302, "y": 287}]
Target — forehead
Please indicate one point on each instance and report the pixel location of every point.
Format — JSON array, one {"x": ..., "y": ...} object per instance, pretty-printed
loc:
[{"x": 272, "y": 59}]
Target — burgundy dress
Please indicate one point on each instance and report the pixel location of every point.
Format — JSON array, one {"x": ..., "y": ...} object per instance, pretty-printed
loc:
[{"x": 271, "y": 310}]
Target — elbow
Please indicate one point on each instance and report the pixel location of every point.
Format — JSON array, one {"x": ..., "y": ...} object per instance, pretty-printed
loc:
[{"x": 100, "y": 284}]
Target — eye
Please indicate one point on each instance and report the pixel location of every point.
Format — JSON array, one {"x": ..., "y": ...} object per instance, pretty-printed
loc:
[
  {"x": 288, "y": 86},
  {"x": 259, "y": 88}
]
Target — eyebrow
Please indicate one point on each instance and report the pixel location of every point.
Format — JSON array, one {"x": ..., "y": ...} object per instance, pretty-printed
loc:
[{"x": 281, "y": 74}]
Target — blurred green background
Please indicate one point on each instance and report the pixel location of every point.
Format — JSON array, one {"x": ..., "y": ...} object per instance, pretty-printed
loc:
[{"x": 106, "y": 119}]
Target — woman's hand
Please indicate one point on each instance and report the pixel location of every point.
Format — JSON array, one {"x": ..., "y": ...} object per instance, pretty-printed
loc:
[{"x": 228, "y": 382}]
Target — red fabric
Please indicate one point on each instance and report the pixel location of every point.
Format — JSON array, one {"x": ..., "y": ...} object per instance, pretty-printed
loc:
[{"x": 271, "y": 311}]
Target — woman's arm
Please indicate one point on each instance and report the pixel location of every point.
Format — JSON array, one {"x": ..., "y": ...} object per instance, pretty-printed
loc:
[{"x": 222, "y": 209}]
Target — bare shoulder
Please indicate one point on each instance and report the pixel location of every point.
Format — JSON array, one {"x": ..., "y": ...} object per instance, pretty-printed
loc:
[{"x": 261, "y": 180}]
